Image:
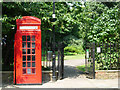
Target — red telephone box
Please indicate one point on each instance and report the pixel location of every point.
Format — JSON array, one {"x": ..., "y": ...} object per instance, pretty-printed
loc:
[{"x": 27, "y": 51}]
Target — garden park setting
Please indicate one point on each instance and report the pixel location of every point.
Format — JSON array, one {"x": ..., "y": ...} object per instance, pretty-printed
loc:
[{"x": 87, "y": 40}]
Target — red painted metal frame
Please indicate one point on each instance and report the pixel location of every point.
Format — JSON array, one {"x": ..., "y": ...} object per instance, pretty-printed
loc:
[{"x": 19, "y": 77}]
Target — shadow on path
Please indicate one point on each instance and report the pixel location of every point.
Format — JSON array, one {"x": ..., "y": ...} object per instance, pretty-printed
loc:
[
  {"x": 72, "y": 72},
  {"x": 7, "y": 79}
]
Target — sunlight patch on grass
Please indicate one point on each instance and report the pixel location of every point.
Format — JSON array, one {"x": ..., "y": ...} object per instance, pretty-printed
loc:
[
  {"x": 74, "y": 57},
  {"x": 81, "y": 68}
]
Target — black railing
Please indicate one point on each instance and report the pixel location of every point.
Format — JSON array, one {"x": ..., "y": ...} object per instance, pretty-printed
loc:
[
  {"x": 102, "y": 56},
  {"x": 47, "y": 58},
  {"x": 108, "y": 58}
]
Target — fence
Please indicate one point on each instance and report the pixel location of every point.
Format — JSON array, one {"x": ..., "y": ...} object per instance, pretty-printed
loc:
[
  {"x": 102, "y": 56},
  {"x": 107, "y": 56},
  {"x": 47, "y": 59}
]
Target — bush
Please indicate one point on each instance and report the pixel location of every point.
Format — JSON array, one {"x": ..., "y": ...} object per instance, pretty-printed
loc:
[
  {"x": 69, "y": 53},
  {"x": 73, "y": 49},
  {"x": 74, "y": 45}
]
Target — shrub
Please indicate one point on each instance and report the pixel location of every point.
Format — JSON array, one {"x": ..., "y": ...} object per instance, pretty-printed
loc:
[{"x": 73, "y": 49}]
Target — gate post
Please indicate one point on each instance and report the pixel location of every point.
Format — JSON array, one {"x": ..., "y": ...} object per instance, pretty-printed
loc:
[
  {"x": 62, "y": 61},
  {"x": 54, "y": 59},
  {"x": 93, "y": 60},
  {"x": 59, "y": 62}
]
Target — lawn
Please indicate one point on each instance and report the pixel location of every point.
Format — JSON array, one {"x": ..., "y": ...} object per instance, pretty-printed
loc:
[
  {"x": 74, "y": 57},
  {"x": 81, "y": 68}
]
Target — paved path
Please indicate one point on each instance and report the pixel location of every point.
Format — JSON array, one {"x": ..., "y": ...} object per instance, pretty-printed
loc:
[
  {"x": 74, "y": 83},
  {"x": 73, "y": 78},
  {"x": 77, "y": 62}
]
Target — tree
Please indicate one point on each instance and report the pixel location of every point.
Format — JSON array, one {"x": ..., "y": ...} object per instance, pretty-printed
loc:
[{"x": 75, "y": 22}]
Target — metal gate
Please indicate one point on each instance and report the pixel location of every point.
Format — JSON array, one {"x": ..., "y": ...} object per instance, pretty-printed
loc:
[
  {"x": 101, "y": 56},
  {"x": 90, "y": 60},
  {"x": 47, "y": 59}
]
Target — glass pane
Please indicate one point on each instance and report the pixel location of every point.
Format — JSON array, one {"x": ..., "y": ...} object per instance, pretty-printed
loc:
[
  {"x": 24, "y": 51},
  {"x": 33, "y": 64},
  {"x": 28, "y": 58},
  {"x": 33, "y": 70},
  {"x": 28, "y": 51},
  {"x": 33, "y": 51},
  {"x": 28, "y": 44},
  {"x": 24, "y": 58},
  {"x": 33, "y": 38},
  {"x": 23, "y": 38},
  {"x": 24, "y": 45},
  {"x": 33, "y": 45},
  {"x": 28, "y": 38},
  {"x": 24, "y": 64},
  {"x": 28, "y": 71},
  {"x": 33, "y": 58},
  {"x": 24, "y": 71},
  {"x": 28, "y": 64}
]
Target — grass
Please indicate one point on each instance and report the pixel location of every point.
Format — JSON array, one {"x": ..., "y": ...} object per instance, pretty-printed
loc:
[
  {"x": 70, "y": 57},
  {"x": 73, "y": 57},
  {"x": 81, "y": 68}
]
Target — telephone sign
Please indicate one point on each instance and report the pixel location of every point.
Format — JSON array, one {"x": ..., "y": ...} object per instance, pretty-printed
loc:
[{"x": 28, "y": 27}]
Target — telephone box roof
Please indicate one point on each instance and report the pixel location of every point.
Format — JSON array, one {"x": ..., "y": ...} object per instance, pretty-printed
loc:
[{"x": 28, "y": 20}]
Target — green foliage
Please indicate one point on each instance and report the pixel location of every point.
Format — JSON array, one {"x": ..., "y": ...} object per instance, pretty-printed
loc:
[
  {"x": 75, "y": 49},
  {"x": 94, "y": 22},
  {"x": 70, "y": 50},
  {"x": 81, "y": 68},
  {"x": 75, "y": 23},
  {"x": 101, "y": 22},
  {"x": 75, "y": 46},
  {"x": 74, "y": 57},
  {"x": 107, "y": 61}
]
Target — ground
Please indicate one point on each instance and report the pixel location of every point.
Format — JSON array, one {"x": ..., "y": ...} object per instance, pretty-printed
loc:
[{"x": 73, "y": 78}]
